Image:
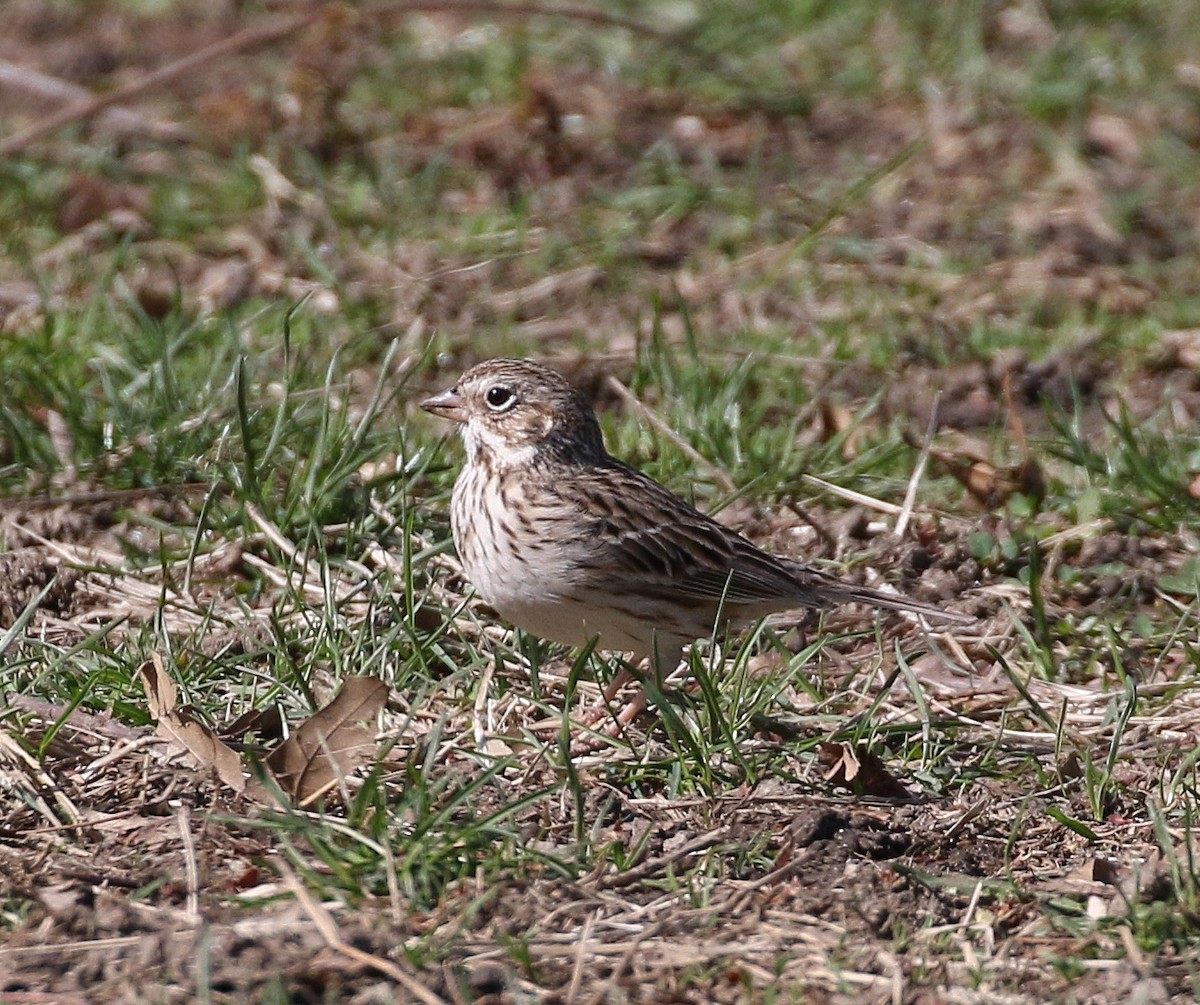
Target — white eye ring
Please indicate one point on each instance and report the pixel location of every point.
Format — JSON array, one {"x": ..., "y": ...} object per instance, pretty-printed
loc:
[{"x": 499, "y": 398}]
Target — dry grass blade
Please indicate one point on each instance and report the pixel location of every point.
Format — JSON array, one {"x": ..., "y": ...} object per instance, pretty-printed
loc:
[
  {"x": 629, "y": 398},
  {"x": 910, "y": 496},
  {"x": 329, "y": 932},
  {"x": 207, "y": 452},
  {"x": 657, "y": 866},
  {"x": 891, "y": 509},
  {"x": 581, "y": 958},
  {"x": 329, "y": 745},
  {"x": 99, "y": 724},
  {"x": 28, "y": 778},
  {"x": 183, "y": 817}
]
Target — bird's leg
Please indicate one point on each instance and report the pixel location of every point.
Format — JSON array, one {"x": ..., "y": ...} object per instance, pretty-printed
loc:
[
  {"x": 633, "y": 708},
  {"x": 620, "y": 679},
  {"x": 640, "y": 699},
  {"x": 600, "y": 710},
  {"x": 594, "y": 716},
  {"x": 636, "y": 703}
]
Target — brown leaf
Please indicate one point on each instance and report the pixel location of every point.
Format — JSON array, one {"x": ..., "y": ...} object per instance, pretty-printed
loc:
[
  {"x": 993, "y": 486},
  {"x": 62, "y": 900},
  {"x": 990, "y": 485},
  {"x": 1113, "y": 137},
  {"x": 1098, "y": 870},
  {"x": 836, "y": 419},
  {"x": 860, "y": 771},
  {"x": 329, "y": 745},
  {"x": 266, "y": 722},
  {"x": 87, "y": 198},
  {"x": 1180, "y": 348},
  {"x": 183, "y": 732}
]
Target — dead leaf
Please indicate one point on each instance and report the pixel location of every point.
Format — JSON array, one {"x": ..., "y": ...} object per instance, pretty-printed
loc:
[
  {"x": 88, "y": 198},
  {"x": 183, "y": 732},
  {"x": 989, "y": 485},
  {"x": 224, "y": 285},
  {"x": 860, "y": 771},
  {"x": 1181, "y": 348},
  {"x": 1098, "y": 870},
  {"x": 266, "y": 722},
  {"x": 1113, "y": 136},
  {"x": 62, "y": 900},
  {"x": 993, "y": 486},
  {"x": 329, "y": 745},
  {"x": 837, "y": 420}
]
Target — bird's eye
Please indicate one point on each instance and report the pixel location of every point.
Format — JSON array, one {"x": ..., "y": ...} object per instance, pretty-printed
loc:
[{"x": 500, "y": 398}]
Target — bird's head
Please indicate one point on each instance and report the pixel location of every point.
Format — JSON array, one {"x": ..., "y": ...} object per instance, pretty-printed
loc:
[{"x": 514, "y": 412}]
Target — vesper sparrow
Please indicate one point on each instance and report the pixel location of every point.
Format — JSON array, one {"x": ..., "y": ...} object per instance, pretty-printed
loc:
[{"x": 569, "y": 543}]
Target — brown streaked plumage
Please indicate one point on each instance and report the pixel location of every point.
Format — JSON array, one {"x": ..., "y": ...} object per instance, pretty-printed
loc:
[{"x": 571, "y": 544}]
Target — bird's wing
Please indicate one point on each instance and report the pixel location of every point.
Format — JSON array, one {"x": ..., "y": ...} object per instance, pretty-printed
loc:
[{"x": 646, "y": 540}]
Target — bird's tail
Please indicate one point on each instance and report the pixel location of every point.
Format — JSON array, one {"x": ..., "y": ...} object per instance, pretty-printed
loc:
[{"x": 832, "y": 591}]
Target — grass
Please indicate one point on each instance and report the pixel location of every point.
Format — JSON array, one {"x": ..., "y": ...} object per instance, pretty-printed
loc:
[{"x": 208, "y": 428}]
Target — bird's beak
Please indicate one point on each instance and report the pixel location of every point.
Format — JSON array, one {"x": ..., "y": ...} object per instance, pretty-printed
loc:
[{"x": 449, "y": 404}]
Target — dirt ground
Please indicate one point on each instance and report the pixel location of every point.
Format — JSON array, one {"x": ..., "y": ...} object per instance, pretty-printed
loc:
[{"x": 164, "y": 900}]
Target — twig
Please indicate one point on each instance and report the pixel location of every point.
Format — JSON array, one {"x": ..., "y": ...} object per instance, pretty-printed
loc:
[
  {"x": 44, "y": 87},
  {"x": 619, "y": 968},
  {"x": 821, "y": 530},
  {"x": 83, "y": 946},
  {"x": 655, "y": 866},
  {"x": 93, "y": 723},
  {"x": 88, "y": 108},
  {"x": 660, "y": 424},
  {"x": 29, "y": 767},
  {"x": 277, "y": 31},
  {"x": 23, "y": 504},
  {"x": 573, "y": 12}
]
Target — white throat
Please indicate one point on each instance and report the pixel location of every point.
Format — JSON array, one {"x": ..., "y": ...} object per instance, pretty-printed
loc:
[{"x": 488, "y": 447}]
